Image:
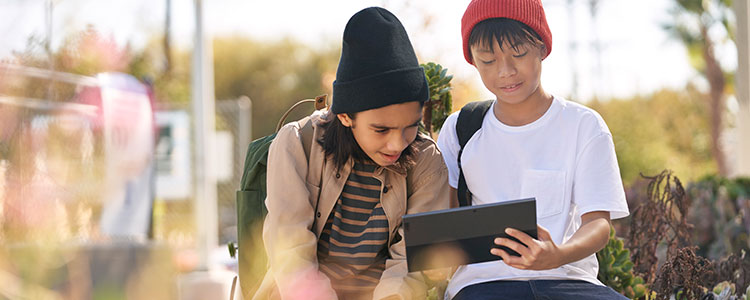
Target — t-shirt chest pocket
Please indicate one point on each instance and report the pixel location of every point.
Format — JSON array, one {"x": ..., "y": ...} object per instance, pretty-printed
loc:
[{"x": 548, "y": 187}]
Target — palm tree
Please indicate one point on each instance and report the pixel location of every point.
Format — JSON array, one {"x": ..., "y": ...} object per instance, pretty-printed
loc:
[{"x": 693, "y": 20}]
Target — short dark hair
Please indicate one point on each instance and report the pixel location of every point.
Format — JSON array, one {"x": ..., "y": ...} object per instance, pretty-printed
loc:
[
  {"x": 340, "y": 145},
  {"x": 503, "y": 30}
]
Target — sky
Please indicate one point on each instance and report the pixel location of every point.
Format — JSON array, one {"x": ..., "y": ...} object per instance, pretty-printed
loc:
[{"x": 636, "y": 55}]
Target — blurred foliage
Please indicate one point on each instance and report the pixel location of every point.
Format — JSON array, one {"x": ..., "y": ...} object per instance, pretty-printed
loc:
[
  {"x": 691, "y": 17},
  {"x": 706, "y": 28},
  {"x": 662, "y": 238},
  {"x": 275, "y": 75},
  {"x": 721, "y": 215},
  {"x": 667, "y": 129},
  {"x": 171, "y": 85},
  {"x": 90, "y": 52}
]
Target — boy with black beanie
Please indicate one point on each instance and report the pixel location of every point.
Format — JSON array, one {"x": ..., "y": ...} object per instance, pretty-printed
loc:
[
  {"x": 530, "y": 144},
  {"x": 333, "y": 228}
]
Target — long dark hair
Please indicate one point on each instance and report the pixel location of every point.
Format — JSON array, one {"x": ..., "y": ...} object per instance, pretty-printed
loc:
[{"x": 340, "y": 145}]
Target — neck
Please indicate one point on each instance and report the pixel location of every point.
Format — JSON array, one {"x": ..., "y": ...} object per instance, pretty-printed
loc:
[{"x": 524, "y": 112}]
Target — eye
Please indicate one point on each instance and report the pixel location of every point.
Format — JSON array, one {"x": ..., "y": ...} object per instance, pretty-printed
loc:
[
  {"x": 381, "y": 130},
  {"x": 520, "y": 55},
  {"x": 486, "y": 62}
]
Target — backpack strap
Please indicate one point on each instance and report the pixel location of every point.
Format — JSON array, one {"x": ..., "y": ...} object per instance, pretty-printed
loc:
[
  {"x": 320, "y": 102},
  {"x": 306, "y": 128},
  {"x": 469, "y": 121}
]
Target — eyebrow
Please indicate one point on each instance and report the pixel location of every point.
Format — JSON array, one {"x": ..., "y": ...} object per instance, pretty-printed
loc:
[{"x": 380, "y": 127}]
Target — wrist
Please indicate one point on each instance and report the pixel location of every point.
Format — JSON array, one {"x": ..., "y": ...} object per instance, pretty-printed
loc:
[{"x": 563, "y": 255}]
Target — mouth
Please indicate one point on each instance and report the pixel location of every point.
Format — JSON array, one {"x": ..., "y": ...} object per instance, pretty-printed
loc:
[
  {"x": 390, "y": 158},
  {"x": 511, "y": 87}
]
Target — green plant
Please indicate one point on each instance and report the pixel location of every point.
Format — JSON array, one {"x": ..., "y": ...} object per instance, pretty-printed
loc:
[
  {"x": 724, "y": 287},
  {"x": 436, "y": 281},
  {"x": 660, "y": 221},
  {"x": 440, "y": 105},
  {"x": 721, "y": 207},
  {"x": 616, "y": 269}
]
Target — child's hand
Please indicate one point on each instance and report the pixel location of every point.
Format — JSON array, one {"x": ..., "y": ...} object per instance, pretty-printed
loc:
[{"x": 541, "y": 254}]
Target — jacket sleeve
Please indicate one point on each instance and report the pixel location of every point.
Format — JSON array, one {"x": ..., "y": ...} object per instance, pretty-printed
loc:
[
  {"x": 427, "y": 190},
  {"x": 290, "y": 243}
]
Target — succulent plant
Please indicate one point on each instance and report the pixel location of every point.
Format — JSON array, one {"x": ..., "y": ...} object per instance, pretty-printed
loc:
[
  {"x": 440, "y": 105},
  {"x": 616, "y": 269}
]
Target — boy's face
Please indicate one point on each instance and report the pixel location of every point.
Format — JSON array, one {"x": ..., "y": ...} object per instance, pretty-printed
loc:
[
  {"x": 383, "y": 133},
  {"x": 513, "y": 75}
]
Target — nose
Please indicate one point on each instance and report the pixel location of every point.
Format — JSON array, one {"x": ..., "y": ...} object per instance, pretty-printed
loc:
[
  {"x": 397, "y": 142},
  {"x": 506, "y": 68}
]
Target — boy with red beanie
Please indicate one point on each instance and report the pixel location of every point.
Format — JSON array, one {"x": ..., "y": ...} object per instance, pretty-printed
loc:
[{"x": 530, "y": 144}]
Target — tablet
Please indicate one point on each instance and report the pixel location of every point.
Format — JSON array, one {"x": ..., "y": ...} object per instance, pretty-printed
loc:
[{"x": 464, "y": 235}]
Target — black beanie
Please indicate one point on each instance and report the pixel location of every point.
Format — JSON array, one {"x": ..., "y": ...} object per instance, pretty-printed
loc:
[{"x": 378, "y": 66}]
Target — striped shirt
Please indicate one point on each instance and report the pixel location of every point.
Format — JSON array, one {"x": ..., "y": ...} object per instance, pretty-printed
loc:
[{"x": 353, "y": 245}]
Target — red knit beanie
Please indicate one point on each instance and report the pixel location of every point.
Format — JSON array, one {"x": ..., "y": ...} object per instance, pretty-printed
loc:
[{"x": 529, "y": 12}]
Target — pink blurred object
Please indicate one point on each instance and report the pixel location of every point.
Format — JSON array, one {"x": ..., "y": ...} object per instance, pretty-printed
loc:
[{"x": 310, "y": 284}]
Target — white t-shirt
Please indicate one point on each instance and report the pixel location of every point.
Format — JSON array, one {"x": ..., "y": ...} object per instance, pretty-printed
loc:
[{"x": 566, "y": 159}]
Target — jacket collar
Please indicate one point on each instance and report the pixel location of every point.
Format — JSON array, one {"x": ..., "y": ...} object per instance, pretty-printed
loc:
[{"x": 397, "y": 168}]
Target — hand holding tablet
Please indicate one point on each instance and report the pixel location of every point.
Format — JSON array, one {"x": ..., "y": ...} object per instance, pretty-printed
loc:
[
  {"x": 529, "y": 253},
  {"x": 466, "y": 235}
]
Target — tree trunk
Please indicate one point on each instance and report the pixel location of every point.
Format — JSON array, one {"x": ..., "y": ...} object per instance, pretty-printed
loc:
[{"x": 716, "y": 82}]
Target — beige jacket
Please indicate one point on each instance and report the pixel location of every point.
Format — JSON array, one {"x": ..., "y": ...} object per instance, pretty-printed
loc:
[{"x": 294, "y": 221}]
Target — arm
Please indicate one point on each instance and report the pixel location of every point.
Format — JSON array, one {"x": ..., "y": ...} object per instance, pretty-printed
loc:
[
  {"x": 598, "y": 194},
  {"x": 429, "y": 192},
  {"x": 287, "y": 235},
  {"x": 544, "y": 254}
]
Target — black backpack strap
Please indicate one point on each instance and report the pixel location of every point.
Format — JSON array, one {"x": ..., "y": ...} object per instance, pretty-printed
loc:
[{"x": 469, "y": 121}]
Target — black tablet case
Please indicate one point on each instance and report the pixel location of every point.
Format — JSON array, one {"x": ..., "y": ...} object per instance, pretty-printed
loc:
[{"x": 464, "y": 235}]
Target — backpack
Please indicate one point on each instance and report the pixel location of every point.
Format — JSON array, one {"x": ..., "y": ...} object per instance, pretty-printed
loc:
[
  {"x": 469, "y": 121},
  {"x": 251, "y": 207}
]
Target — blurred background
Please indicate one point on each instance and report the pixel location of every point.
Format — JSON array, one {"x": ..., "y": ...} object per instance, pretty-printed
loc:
[{"x": 124, "y": 124}]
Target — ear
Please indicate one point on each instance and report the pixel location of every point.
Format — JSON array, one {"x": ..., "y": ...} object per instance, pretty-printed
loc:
[
  {"x": 543, "y": 51},
  {"x": 345, "y": 120}
]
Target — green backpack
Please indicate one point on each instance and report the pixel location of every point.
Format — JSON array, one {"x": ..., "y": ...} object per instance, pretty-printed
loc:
[{"x": 251, "y": 207}]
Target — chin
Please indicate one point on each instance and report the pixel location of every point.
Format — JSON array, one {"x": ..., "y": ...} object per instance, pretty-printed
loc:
[
  {"x": 384, "y": 164},
  {"x": 512, "y": 99}
]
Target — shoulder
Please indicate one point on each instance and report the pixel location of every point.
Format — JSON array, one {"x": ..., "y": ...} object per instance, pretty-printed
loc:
[
  {"x": 588, "y": 121},
  {"x": 427, "y": 156},
  {"x": 428, "y": 164},
  {"x": 426, "y": 148},
  {"x": 450, "y": 122},
  {"x": 287, "y": 135},
  {"x": 447, "y": 137}
]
